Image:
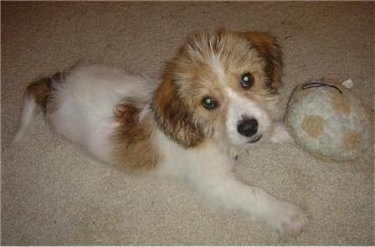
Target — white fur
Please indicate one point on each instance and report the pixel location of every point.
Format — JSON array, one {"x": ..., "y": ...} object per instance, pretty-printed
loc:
[
  {"x": 240, "y": 107},
  {"x": 28, "y": 111},
  {"x": 280, "y": 134},
  {"x": 215, "y": 63},
  {"x": 87, "y": 99}
]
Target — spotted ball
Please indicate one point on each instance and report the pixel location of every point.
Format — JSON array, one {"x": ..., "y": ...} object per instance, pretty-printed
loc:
[{"x": 328, "y": 121}]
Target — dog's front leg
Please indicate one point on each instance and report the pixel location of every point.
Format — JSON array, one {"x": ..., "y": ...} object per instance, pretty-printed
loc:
[
  {"x": 279, "y": 133},
  {"x": 216, "y": 181}
]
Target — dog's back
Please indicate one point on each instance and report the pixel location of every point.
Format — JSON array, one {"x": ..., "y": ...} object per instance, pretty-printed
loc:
[{"x": 79, "y": 105}]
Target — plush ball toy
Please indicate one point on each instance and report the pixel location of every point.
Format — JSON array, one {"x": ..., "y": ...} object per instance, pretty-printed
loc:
[{"x": 328, "y": 121}]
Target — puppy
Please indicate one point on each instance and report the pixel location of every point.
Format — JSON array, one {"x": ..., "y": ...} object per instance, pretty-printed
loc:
[{"x": 215, "y": 96}]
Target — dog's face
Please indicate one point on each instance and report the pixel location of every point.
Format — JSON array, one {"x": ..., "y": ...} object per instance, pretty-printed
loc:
[{"x": 220, "y": 86}]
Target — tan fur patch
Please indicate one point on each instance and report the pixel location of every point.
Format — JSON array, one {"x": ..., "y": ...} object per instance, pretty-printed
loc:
[
  {"x": 271, "y": 52},
  {"x": 134, "y": 148},
  {"x": 351, "y": 139},
  {"x": 174, "y": 114},
  {"x": 340, "y": 104},
  {"x": 314, "y": 125},
  {"x": 40, "y": 90}
]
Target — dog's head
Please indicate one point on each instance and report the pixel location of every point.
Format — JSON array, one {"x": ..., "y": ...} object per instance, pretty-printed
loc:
[{"x": 220, "y": 86}]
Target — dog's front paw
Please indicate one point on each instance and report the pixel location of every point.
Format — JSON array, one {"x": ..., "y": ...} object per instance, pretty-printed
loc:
[
  {"x": 287, "y": 218},
  {"x": 280, "y": 134}
]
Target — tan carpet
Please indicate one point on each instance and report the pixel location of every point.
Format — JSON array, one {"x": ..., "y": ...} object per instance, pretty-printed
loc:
[{"x": 52, "y": 194}]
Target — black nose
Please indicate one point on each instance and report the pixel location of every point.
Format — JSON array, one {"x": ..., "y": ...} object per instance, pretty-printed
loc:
[{"x": 248, "y": 127}]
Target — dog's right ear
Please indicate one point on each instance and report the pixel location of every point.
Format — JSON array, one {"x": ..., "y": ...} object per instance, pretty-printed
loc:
[
  {"x": 174, "y": 115},
  {"x": 270, "y": 50}
]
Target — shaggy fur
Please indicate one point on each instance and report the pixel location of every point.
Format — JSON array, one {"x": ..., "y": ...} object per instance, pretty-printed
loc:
[{"x": 214, "y": 97}]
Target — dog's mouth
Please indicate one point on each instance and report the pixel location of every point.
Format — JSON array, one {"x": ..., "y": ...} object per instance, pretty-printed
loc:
[{"x": 255, "y": 139}]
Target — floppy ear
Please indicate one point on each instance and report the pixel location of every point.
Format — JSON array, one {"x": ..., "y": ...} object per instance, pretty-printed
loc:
[
  {"x": 174, "y": 115},
  {"x": 271, "y": 52}
]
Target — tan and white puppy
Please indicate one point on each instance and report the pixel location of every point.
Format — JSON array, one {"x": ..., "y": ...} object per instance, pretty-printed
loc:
[{"x": 216, "y": 95}]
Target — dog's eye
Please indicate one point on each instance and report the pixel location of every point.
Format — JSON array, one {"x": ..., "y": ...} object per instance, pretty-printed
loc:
[
  {"x": 247, "y": 80},
  {"x": 209, "y": 103}
]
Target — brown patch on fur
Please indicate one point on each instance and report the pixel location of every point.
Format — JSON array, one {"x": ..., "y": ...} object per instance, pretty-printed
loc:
[
  {"x": 340, "y": 104},
  {"x": 134, "y": 148},
  {"x": 40, "y": 90},
  {"x": 351, "y": 139},
  {"x": 173, "y": 114},
  {"x": 314, "y": 125},
  {"x": 271, "y": 52}
]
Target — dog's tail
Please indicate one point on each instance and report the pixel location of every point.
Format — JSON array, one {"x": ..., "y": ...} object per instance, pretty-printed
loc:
[{"x": 35, "y": 98}]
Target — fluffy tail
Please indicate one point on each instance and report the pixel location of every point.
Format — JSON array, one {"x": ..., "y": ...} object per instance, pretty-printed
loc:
[{"x": 35, "y": 97}]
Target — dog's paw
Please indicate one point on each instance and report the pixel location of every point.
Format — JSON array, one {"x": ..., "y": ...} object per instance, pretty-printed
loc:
[
  {"x": 287, "y": 218},
  {"x": 280, "y": 134}
]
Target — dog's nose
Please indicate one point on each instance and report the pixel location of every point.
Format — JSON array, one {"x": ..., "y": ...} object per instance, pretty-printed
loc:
[{"x": 248, "y": 127}]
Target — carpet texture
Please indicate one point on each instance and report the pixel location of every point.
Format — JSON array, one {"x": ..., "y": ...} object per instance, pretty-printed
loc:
[{"x": 54, "y": 194}]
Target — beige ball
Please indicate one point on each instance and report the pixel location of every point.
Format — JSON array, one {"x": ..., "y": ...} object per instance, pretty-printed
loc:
[{"x": 328, "y": 121}]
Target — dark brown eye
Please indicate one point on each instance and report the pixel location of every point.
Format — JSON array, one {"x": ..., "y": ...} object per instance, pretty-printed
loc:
[
  {"x": 247, "y": 80},
  {"x": 209, "y": 103}
]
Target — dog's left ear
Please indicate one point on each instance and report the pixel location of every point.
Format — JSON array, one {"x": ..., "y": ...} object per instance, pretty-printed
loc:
[
  {"x": 174, "y": 115},
  {"x": 271, "y": 52}
]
